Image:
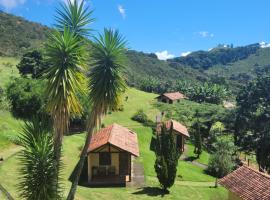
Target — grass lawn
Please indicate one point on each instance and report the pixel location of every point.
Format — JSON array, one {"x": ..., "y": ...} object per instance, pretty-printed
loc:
[
  {"x": 9, "y": 127},
  {"x": 187, "y": 172},
  {"x": 204, "y": 157},
  {"x": 8, "y": 69}
]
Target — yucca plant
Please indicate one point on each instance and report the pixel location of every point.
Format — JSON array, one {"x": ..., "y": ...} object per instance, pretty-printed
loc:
[
  {"x": 74, "y": 16},
  {"x": 37, "y": 165},
  {"x": 106, "y": 84},
  {"x": 66, "y": 52}
]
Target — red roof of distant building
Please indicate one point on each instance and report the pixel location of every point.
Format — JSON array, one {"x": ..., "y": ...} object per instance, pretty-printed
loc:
[
  {"x": 247, "y": 183},
  {"x": 116, "y": 135},
  {"x": 174, "y": 95},
  {"x": 178, "y": 127}
]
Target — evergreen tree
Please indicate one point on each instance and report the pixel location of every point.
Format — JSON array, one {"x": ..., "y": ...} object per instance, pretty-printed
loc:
[
  {"x": 197, "y": 136},
  {"x": 166, "y": 157}
]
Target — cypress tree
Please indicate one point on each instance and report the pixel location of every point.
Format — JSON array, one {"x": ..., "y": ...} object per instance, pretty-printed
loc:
[{"x": 166, "y": 158}]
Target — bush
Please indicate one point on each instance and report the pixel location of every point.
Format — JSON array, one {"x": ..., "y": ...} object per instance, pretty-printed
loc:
[
  {"x": 140, "y": 116},
  {"x": 26, "y": 97},
  {"x": 221, "y": 162}
]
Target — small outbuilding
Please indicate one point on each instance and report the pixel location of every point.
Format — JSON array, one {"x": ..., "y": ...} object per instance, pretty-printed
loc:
[
  {"x": 171, "y": 98},
  {"x": 246, "y": 183},
  {"x": 110, "y": 155},
  {"x": 180, "y": 132}
]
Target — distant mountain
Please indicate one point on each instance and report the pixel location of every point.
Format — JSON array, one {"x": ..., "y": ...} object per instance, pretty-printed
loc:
[
  {"x": 225, "y": 64},
  {"x": 220, "y": 55},
  {"x": 18, "y": 35}
]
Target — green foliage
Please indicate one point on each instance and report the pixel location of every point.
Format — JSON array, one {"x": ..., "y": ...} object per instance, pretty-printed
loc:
[
  {"x": 37, "y": 163},
  {"x": 67, "y": 53},
  {"x": 252, "y": 115},
  {"x": 26, "y": 97},
  {"x": 166, "y": 158},
  {"x": 32, "y": 63},
  {"x": 140, "y": 116},
  {"x": 221, "y": 162},
  {"x": 217, "y": 130},
  {"x": 197, "y": 136},
  {"x": 263, "y": 152},
  {"x": 106, "y": 82},
  {"x": 209, "y": 93},
  {"x": 75, "y": 17}
]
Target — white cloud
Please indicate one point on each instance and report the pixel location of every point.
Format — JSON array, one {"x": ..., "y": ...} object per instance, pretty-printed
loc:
[
  {"x": 185, "y": 53},
  {"x": 9, "y": 4},
  {"x": 264, "y": 44},
  {"x": 164, "y": 55},
  {"x": 205, "y": 34},
  {"x": 122, "y": 11}
]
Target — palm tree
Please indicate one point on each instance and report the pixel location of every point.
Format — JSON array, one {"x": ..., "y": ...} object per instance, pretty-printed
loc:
[
  {"x": 106, "y": 84},
  {"x": 66, "y": 52},
  {"x": 37, "y": 169}
]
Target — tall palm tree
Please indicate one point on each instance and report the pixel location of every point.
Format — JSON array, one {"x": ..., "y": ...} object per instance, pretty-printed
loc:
[
  {"x": 106, "y": 84},
  {"x": 66, "y": 52},
  {"x": 37, "y": 165}
]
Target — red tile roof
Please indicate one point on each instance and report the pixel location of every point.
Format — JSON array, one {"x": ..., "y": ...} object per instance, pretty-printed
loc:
[
  {"x": 174, "y": 95},
  {"x": 118, "y": 136},
  {"x": 247, "y": 183},
  {"x": 178, "y": 127}
]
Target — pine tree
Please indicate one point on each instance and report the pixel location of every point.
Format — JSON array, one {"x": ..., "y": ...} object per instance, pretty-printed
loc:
[
  {"x": 197, "y": 136},
  {"x": 166, "y": 158}
]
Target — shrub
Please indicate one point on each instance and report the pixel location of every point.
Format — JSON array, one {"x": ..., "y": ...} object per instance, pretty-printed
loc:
[
  {"x": 221, "y": 162},
  {"x": 26, "y": 97},
  {"x": 140, "y": 116}
]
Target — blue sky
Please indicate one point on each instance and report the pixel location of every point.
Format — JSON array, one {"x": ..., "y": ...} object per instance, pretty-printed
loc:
[{"x": 171, "y": 27}]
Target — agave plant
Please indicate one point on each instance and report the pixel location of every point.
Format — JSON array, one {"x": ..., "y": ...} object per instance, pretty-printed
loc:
[
  {"x": 106, "y": 84},
  {"x": 37, "y": 165}
]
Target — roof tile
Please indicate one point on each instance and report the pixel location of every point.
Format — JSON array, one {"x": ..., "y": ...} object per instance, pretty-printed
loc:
[
  {"x": 116, "y": 135},
  {"x": 247, "y": 183}
]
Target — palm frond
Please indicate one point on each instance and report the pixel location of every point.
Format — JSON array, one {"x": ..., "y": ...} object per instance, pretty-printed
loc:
[
  {"x": 65, "y": 76},
  {"x": 37, "y": 163},
  {"x": 106, "y": 82},
  {"x": 74, "y": 16}
]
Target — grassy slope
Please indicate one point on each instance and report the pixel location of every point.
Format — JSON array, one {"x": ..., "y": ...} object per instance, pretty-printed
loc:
[
  {"x": 204, "y": 157},
  {"x": 72, "y": 144},
  {"x": 8, "y": 125},
  {"x": 6, "y": 71}
]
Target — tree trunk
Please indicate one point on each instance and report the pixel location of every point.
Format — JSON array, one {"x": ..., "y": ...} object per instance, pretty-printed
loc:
[
  {"x": 91, "y": 127},
  {"x": 57, "y": 155}
]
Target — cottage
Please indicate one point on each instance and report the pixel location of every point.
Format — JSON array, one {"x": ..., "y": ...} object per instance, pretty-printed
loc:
[
  {"x": 110, "y": 155},
  {"x": 171, "y": 97},
  {"x": 180, "y": 132},
  {"x": 246, "y": 183}
]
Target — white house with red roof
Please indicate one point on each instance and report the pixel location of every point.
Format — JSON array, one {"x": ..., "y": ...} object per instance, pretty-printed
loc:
[{"x": 110, "y": 155}]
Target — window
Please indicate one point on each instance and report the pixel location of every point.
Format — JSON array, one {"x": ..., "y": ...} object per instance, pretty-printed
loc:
[{"x": 104, "y": 158}]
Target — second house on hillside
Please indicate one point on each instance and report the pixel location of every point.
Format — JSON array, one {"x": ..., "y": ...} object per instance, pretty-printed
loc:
[
  {"x": 180, "y": 132},
  {"x": 171, "y": 98}
]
